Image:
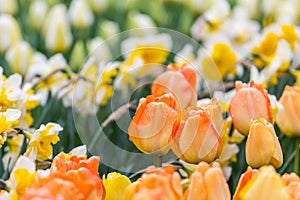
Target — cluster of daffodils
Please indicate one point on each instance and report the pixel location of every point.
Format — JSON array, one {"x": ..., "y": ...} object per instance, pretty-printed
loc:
[{"x": 223, "y": 103}]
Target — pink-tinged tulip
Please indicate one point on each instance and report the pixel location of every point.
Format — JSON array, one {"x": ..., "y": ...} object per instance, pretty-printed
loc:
[
  {"x": 181, "y": 82},
  {"x": 244, "y": 179},
  {"x": 266, "y": 184},
  {"x": 207, "y": 183},
  {"x": 263, "y": 147},
  {"x": 158, "y": 183},
  {"x": 292, "y": 181},
  {"x": 152, "y": 124},
  {"x": 197, "y": 133},
  {"x": 249, "y": 102},
  {"x": 289, "y": 120}
]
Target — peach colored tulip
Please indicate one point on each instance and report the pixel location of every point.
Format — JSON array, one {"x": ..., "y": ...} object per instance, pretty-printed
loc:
[
  {"x": 263, "y": 147},
  {"x": 244, "y": 179},
  {"x": 249, "y": 102},
  {"x": 181, "y": 82},
  {"x": 292, "y": 182},
  {"x": 289, "y": 120},
  {"x": 197, "y": 134},
  {"x": 152, "y": 124},
  {"x": 158, "y": 183},
  {"x": 207, "y": 183},
  {"x": 266, "y": 184}
]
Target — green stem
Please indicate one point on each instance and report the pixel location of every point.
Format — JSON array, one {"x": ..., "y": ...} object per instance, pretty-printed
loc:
[
  {"x": 157, "y": 160},
  {"x": 297, "y": 149}
]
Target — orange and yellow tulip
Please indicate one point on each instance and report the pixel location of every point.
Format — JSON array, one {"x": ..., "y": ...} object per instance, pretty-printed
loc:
[
  {"x": 288, "y": 121},
  {"x": 197, "y": 133},
  {"x": 265, "y": 184},
  {"x": 263, "y": 147},
  {"x": 292, "y": 181},
  {"x": 249, "y": 102},
  {"x": 157, "y": 183},
  {"x": 207, "y": 183},
  {"x": 152, "y": 124},
  {"x": 181, "y": 82}
]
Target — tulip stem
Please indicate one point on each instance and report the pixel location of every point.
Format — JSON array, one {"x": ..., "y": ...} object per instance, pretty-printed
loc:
[
  {"x": 297, "y": 149},
  {"x": 157, "y": 160}
]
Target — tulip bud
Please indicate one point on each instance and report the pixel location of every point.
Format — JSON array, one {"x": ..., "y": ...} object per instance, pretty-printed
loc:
[
  {"x": 263, "y": 147},
  {"x": 249, "y": 102},
  {"x": 265, "y": 184},
  {"x": 80, "y": 14},
  {"x": 98, "y": 6},
  {"x": 289, "y": 120},
  {"x": 19, "y": 57},
  {"x": 207, "y": 183},
  {"x": 9, "y": 32},
  {"x": 37, "y": 14},
  {"x": 141, "y": 22},
  {"x": 152, "y": 124},
  {"x": 56, "y": 29},
  {"x": 8, "y": 6},
  {"x": 109, "y": 29},
  {"x": 157, "y": 183},
  {"x": 181, "y": 82},
  {"x": 78, "y": 55},
  {"x": 195, "y": 134}
]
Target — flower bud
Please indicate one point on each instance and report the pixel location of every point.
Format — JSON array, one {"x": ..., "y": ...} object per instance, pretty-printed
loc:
[
  {"x": 249, "y": 102},
  {"x": 19, "y": 57},
  {"x": 98, "y": 6},
  {"x": 37, "y": 14},
  {"x": 152, "y": 124},
  {"x": 195, "y": 135},
  {"x": 289, "y": 119},
  {"x": 265, "y": 184},
  {"x": 181, "y": 82},
  {"x": 8, "y": 6},
  {"x": 207, "y": 183},
  {"x": 80, "y": 14},
  {"x": 263, "y": 147},
  {"x": 9, "y": 32},
  {"x": 56, "y": 29}
]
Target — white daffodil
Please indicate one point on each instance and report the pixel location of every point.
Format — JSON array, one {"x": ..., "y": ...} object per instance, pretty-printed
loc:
[{"x": 9, "y": 32}]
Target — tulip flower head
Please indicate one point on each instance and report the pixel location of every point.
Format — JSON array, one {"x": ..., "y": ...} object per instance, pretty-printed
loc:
[
  {"x": 152, "y": 124},
  {"x": 207, "y": 183},
  {"x": 249, "y": 102},
  {"x": 288, "y": 121},
  {"x": 263, "y": 147},
  {"x": 292, "y": 181},
  {"x": 197, "y": 133},
  {"x": 181, "y": 82}
]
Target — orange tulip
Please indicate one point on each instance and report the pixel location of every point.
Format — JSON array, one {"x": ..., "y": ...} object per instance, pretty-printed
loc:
[
  {"x": 263, "y": 147},
  {"x": 152, "y": 124},
  {"x": 197, "y": 133},
  {"x": 158, "y": 183},
  {"x": 249, "y": 102},
  {"x": 207, "y": 183},
  {"x": 265, "y": 184},
  {"x": 181, "y": 82},
  {"x": 292, "y": 181},
  {"x": 289, "y": 120}
]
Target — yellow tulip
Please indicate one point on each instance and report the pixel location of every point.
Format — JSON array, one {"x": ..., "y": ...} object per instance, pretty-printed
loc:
[
  {"x": 197, "y": 133},
  {"x": 151, "y": 127},
  {"x": 115, "y": 185},
  {"x": 266, "y": 184},
  {"x": 288, "y": 121},
  {"x": 249, "y": 102},
  {"x": 263, "y": 147},
  {"x": 207, "y": 183}
]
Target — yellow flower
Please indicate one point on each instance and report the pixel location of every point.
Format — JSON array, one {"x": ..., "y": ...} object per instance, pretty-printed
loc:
[
  {"x": 7, "y": 120},
  {"x": 40, "y": 146},
  {"x": 115, "y": 185},
  {"x": 23, "y": 179},
  {"x": 289, "y": 34},
  {"x": 220, "y": 63}
]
